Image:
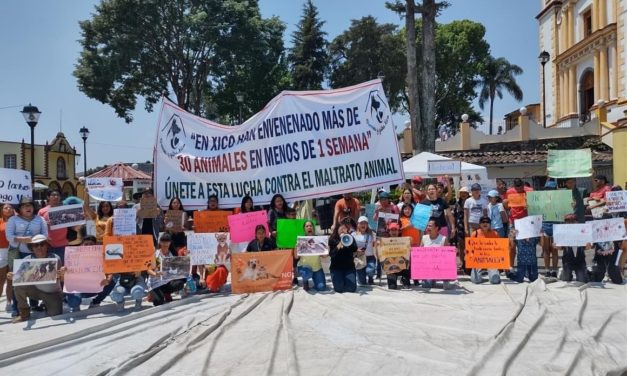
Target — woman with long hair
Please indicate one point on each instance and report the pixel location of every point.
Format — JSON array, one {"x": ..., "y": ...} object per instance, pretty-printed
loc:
[
  {"x": 104, "y": 211},
  {"x": 342, "y": 268},
  {"x": 276, "y": 211},
  {"x": 178, "y": 238},
  {"x": 247, "y": 206},
  {"x": 310, "y": 266},
  {"x": 365, "y": 238},
  {"x": 407, "y": 198}
]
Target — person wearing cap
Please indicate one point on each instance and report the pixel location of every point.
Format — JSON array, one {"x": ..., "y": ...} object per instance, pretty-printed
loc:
[
  {"x": 485, "y": 231},
  {"x": 385, "y": 206},
  {"x": 50, "y": 293},
  {"x": 574, "y": 258},
  {"x": 365, "y": 239},
  {"x": 475, "y": 207},
  {"x": 515, "y": 213},
  {"x": 392, "y": 278},
  {"x": 58, "y": 237},
  {"x": 497, "y": 213},
  {"x": 459, "y": 240},
  {"x": 347, "y": 206}
]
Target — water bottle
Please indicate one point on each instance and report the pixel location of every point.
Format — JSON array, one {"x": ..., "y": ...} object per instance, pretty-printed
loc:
[{"x": 191, "y": 284}]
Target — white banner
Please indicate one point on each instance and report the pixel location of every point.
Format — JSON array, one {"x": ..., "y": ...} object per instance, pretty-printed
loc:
[
  {"x": 302, "y": 145},
  {"x": 572, "y": 235},
  {"x": 14, "y": 184},
  {"x": 444, "y": 167},
  {"x": 105, "y": 189}
]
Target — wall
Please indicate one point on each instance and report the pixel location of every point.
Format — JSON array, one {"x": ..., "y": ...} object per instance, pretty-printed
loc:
[{"x": 11, "y": 148}]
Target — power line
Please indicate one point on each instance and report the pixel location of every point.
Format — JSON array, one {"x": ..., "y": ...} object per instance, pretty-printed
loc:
[{"x": 19, "y": 105}]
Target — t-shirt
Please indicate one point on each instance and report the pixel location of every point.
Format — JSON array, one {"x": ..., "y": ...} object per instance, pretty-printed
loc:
[
  {"x": 312, "y": 262},
  {"x": 517, "y": 213},
  {"x": 438, "y": 206},
  {"x": 437, "y": 242},
  {"x": 599, "y": 194},
  {"x": 58, "y": 237},
  {"x": 365, "y": 241},
  {"x": 476, "y": 208},
  {"x": 348, "y": 208},
  {"x": 494, "y": 212},
  {"x": 411, "y": 232}
]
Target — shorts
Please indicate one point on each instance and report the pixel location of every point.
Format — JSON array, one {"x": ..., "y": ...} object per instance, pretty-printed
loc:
[{"x": 547, "y": 228}]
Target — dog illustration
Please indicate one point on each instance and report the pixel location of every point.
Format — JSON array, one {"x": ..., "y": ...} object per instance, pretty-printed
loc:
[
  {"x": 250, "y": 271},
  {"x": 223, "y": 254}
]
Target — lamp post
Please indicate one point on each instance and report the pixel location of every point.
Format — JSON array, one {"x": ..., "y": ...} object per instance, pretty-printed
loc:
[
  {"x": 84, "y": 134},
  {"x": 31, "y": 115},
  {"x": 240, "y": 99},
  {"x": 544, "y": 58}
]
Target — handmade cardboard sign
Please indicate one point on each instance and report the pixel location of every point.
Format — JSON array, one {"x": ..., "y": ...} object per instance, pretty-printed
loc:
[
  {"x": 124, "y": 222},
  {"x": 572, "y": 234},
  {"x": 84, "y": 267},
  {"x": 123, "y": 254},
  {"x": 575, "y": 163},
  {"x": 528, "y": 227},
  {"x": 173, "y": 220},
  {"x": 436, "y": 263},
  {"x": 551, "y": 205},
  {"x": 243, "y": 225},
  {"x": 14, "y": 184},
  {"x": 487, "y": 253},
  {"x": 149, "y": 208},
  {"x": 211, "y": 221}
]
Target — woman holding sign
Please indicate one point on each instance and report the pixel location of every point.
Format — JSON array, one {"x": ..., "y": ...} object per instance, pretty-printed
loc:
[
  {"x": 433, "y": 238},
  {"x": 342, "y": 248},
  {"x": 176, "y": 213},
  {"x": 310, "y": 266},
  {"x": 366, "y": 238},
  {"x": 101, "y": 216},
  {"x": 277, "y": 210}
]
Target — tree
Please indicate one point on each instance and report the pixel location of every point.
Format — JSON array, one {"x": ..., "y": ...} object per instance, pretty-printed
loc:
[
  {"x": 308, "y": 57},
  {"x": 366, "y": 50},
  {"x": 498, "y": 75},
  {"x": 185, "y": 47}
]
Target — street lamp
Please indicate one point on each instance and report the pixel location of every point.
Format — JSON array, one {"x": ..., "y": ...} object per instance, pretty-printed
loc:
[
  {"x": 31, "y": 115},
  {"x": 544, "y": 58},
  {"x": 240, "y": 99},
  {"x": 84, "y": 134}
]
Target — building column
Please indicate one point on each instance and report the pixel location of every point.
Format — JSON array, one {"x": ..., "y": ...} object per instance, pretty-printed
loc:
[
  {"x": 597, "y": 75},
  {"x": 602, "y": 13},
  {"x": 560, "y": 94},
  {"x": 604, "y": 77},
  {"x": 595, "y": 15},
  {"x": 572, "y": 95},
  {"x": 571, "y": 26}
]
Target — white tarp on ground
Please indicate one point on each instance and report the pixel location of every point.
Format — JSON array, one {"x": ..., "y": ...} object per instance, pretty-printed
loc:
[{"x": 513, "y": 329}]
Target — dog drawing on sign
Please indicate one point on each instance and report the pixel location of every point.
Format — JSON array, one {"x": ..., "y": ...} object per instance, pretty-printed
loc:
[
  {"x": 223, "y": 254},
  {"x": 250, "y": 271}
]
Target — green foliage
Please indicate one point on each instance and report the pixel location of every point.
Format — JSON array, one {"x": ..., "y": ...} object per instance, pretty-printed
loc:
[
  {"x": 498, "y": 75},
  {"x": 308, "y": 57}
]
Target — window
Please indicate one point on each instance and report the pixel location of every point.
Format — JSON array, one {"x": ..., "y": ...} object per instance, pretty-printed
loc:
[
  {"x": 61, "y": 168},
  {"x": 587, "y": 23},
  {"x": 10, "y": 161}
]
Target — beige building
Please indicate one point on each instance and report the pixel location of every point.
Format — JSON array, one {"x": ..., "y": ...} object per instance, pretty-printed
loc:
[{"x": 54, "y": 162}]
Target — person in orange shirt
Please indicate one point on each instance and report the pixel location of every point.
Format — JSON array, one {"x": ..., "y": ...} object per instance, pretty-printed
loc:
[
  {"x": 407, "y": 229},
  {"x": 485, "y": 231}
]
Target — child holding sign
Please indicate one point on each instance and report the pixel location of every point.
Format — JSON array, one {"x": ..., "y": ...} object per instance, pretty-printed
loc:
[{"x": 310, "y": 266}]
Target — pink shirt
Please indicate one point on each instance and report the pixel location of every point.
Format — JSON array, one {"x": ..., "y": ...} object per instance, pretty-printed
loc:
[
  {"x": 599, "y": 194},
  {"x": 58, "y": 238}
]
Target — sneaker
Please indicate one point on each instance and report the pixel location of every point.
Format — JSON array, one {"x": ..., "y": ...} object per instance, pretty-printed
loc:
[
  {"x": 93, "y": 304},
  {"x": 138, "y": 303}
]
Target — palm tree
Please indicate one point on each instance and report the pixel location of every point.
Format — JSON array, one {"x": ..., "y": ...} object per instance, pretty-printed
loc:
[{"x": 499, "y": 74}]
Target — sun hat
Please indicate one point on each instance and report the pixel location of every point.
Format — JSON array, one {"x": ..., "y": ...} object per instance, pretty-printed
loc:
[{"x": 363, "y": 218}]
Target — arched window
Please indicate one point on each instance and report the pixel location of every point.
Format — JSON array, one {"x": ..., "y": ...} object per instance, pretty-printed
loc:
[{"x": 61, "y": 168}]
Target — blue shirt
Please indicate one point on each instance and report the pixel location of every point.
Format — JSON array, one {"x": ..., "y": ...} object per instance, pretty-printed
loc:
[
  {"x": 18, "y": 226},
  {"x": 526, "y": 254}
]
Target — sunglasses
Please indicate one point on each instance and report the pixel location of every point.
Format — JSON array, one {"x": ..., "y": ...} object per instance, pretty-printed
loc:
[{"x": 484, "y": 222}]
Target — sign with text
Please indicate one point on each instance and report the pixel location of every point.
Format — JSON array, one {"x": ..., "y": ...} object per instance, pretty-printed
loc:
[
  {"x": 572, "y": 234},
  {"x": 209, "y": 248},
  {"x": 261, "y": 271},
  {"x": 243, "y": 225},
  {"x": 34, "y": 271},
  {"x": 616, "y": 201},
  {"x": 552, "y": 205},
  {"x": 384, "y": 220},
  {"x": 14, "y": 184},
  {"x": 287, "y": 230},
  {"x": 66, "y": 216},
  {"x": 105, "y": 189},
  {"x": 84, "y": 267},
  {"x": 173, "y": 220},
  {"x": 123, "y": 254},
  {"x": 148, "y": 208},
  {"x": 211, "y": 221},
  {"x": 528, "y": 227},
  {"x": 303, "y": 144},
  {"x": 575, "y": 163},
  {"x": 444, "y": 167},
  {"x": 124, "y": 222},
  {"x": 436, "y": 263},
  {"x": 394, "y": 254},
  {"x": 312, "y": 246},
  {"x": 487, "y": 253},
  {"x": 516, "y": 200},
  {"x": 608, "y": 230}
]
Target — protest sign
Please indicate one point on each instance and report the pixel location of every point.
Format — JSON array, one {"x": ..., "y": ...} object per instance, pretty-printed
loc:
[
  {"x": 66, "y": 216},
  {"x": 616, "y": 201},
  {"x": 261, "y": 271},
  {"x": 14, "y": 184},
  {"x": 394, "y": 254},
  {"x": 608, "y": 230},
  {"x": 170, "y": 269},
  {"x": 572, "y": 234},
  {"x": 288, "y": 229},
  {"x": 211, "y": 221},
  {"x": 437, "y": 263},
  {"x": 312, "y": 245},
  {"x": 209, "y": 248},
  {"x": 34, "y": 271},
  {"x": 528, "y": 227},
  {"x": 468, "y": 179},
  {"x": 384, "y": 220},
  {"x": 487, "y": 253},
  {"x": 370, "y": 210},
  {"x": 173, "y": 220},
  {"x": 516, "y": 200},
  {"x": 105, "y": 189},
  {"x": 123, "y": 254},
  {"x": 243, "y": 225},
  {"x": 304, "y": 145},
  {"x": 90, "y": 227},
  {"x": 420, "y": 216},
  {"x": 124, "y": 222},
  {"x": 444, "y": 167},
  {"x": 552, "y": 205},
  {"x": 148, "y": 208},
  {"x": 83, "y": 269},
  {"x": 575, "y": 163},
  {"x": 141, "y": 185}
]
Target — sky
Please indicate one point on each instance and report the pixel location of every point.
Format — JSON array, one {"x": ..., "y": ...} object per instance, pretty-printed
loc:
[{"x": 39, "y": 48}]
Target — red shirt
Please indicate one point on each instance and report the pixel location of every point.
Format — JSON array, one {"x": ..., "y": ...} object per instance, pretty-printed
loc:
[
  {"x": 599, "y": 194},
  {"x": 4, "y": 243},
  {"x": 58, "y": 238},
  {"x": 517, "y": 213}
]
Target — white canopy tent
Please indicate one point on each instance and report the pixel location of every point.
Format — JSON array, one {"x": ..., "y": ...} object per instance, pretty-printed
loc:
[{"x": 418, "y": 166}]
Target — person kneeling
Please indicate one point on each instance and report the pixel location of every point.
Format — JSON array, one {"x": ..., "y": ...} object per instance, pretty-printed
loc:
[
  {"x": 161, "y": 292},
  {"x": 343, "y": 274}
]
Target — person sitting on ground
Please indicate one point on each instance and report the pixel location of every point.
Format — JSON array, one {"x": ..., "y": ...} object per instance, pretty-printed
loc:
[
  {"x": 161, "y": 292},
  {"x": 261, "y": 242},
  {"x": 343, "y": 275},
  {"x": 49, "y": 293},
  {"x": 574, "y": 258},
  {"x": 407, "y": 228},
  {"x": 434, "y": 238},
  {"x": 484, "y": 231},
  {"x": 310, "y": 266}
]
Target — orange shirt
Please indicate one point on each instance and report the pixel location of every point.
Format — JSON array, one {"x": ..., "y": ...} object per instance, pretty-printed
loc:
[
  {"x": 410, "y": 231},
  {"x": 4, "y": 243}
]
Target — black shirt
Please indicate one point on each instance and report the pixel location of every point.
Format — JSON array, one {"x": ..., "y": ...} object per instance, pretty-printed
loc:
[
  {"x": 341, "y": 259},
  {"x": 438, "y": 206},
  {"x": 267, "y": 245}
]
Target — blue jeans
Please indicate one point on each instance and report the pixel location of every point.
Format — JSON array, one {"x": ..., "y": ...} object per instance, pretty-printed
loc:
[
  {"x": 531, "y": 271},
  {"x": 137, "y": 292},
  {"x": 319, "y": 280},
  {"x": 74, "y": 300},
  {"x": 501, "y": 232},
  {"x": 368, "y": 271},
  {"x": 344, "y": 280}
]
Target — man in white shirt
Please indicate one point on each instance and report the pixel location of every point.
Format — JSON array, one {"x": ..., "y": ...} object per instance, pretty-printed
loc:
[{"x": 475, "y": 207}]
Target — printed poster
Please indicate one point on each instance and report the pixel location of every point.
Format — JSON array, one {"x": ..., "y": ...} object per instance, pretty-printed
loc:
[
  {"x": 34, "y": 271},
  {"x": 66, "y": 216},
  {"x": 312, "y": 246},
  {"x": 123, "y": 254},
  {"x": 383, "y": 221},
  {"x": 394, "y": 254},
  {"x": 84, "y": 267},
  {"x": 261, "y": 271},
  {"x": 434, "y": 263},
  {"x": 105, "y": 189}
]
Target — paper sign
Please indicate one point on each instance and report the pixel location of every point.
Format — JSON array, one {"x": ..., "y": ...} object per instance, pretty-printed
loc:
[
  {"x": 467, "y": 180},
  {"x": 516, "y": 200},
  {"x": 608, "y": 230},
  {"x": 420, "y": 216},
  {"x": 370, "y": 210},
  {"x": 209, "y": 248},
  {"x": 616, "y": 201},
  {"x": 90, "y": 227},
  {"x": 552, "y": 205},
  {"x": 572, "y": 234},
  {"x": 383, "y": 221},
  {"x": 288, "y": 229},
  {"x": 123, "y": 254},
  {"x": 173, "y": 220},
  {"x": 211, "y": 221},
  {"x": 575, "y": 163},
  {"x": 261, "y": 271},
  {"x": 124, "y": 222},
  {"x": 528, "y": 227},
  {"x": 394, "y": 254},
  {"x": 173, "y": 268},
  {"x": 34, "y": 271},
  {"x": 83, "y": 269},
  {"x": 436, "y": 263},
  {"x": 243, "y": 225},
  {"x": 105, "y": 189},
  {"x": 148, "y": 208},
  {"x": 312, "y": 245},
  {"x": 444, "y": 167},
  {"x": 66, "y": 216},
  {"x": 487, "y": 253},
  {"x": 14, "y": 184}
]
